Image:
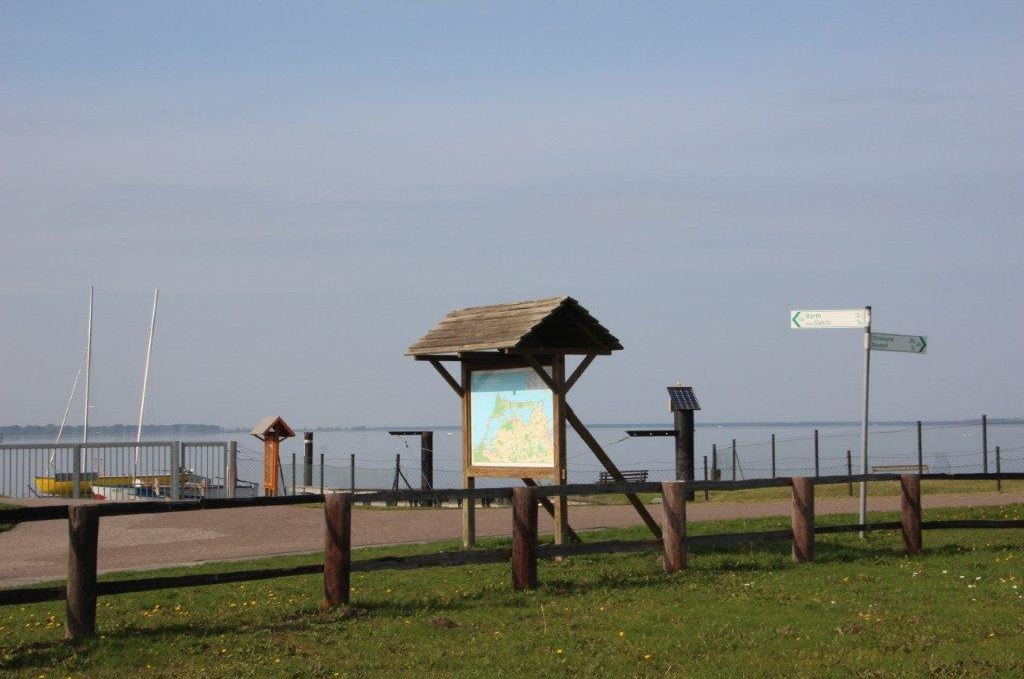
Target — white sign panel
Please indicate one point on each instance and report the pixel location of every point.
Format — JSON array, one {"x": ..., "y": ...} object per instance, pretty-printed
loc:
[
  {"x": 828, "y": 318},
  {"x": 911, "y": 344}
]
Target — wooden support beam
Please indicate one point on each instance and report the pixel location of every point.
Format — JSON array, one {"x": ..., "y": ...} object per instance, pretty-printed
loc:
[
  {"x": 524, "y": 538},
  {"x": 595, "y": 447},
  {"x": 468, "y": 482},
  {"x": 673, "y": 504},
  {"x": 561, "y": 502},
  {"x": 803, "y": 519},
  {"x": 83, "y": 539},
  {"x": 447, "y": 377},
  {"x": 910, "y": 512},
  {"x": 539, "y": 369},
  {"x": 578, "y": 372},
  {"x": 550, "y": 509},
  {"x": 337, "y": 549}
]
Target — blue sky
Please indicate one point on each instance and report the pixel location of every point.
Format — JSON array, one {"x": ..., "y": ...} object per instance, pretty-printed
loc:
[{"x": 312, "y": 186}]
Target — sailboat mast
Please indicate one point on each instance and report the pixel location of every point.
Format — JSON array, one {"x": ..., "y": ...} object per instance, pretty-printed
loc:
[
  {"x": 145, "y": 374},
  {"x": 88, "y": 370}
]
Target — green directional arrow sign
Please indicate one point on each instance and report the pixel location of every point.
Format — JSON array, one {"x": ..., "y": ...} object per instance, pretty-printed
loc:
[
  {"x": 908, "y": 344},
  {"x": 803, "y": 319}
]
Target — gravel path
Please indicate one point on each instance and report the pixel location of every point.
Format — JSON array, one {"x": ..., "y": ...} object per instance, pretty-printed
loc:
[{"x": 33, "y": 552}]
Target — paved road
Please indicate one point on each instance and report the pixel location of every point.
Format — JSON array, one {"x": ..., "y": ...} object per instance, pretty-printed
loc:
[{"x": 33, "y": 552}]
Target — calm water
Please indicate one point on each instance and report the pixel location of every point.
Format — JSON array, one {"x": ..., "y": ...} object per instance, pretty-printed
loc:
[{"x": 947, "y": 448}]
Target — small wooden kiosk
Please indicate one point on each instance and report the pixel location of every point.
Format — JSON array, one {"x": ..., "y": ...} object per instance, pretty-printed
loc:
[
  {"x": 272, "y": 430},
  {"x": 513, "y": 389}
]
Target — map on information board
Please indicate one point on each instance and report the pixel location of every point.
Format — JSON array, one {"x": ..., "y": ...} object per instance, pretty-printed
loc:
[{"x": 512, "y": 416}]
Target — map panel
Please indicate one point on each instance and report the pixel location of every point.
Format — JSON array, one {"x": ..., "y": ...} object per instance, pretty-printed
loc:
[{"x": 512, "y": 419}]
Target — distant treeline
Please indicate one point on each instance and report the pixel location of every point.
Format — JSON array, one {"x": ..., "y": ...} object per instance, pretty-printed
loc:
[{"x": 50, "y": 430}]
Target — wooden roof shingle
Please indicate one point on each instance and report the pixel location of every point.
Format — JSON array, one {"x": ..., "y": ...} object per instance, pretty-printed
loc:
[{"x": 550, "y": 325}]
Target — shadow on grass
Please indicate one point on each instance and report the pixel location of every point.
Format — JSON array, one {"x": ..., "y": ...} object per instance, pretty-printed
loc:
[{"x": 582, "y": 575}]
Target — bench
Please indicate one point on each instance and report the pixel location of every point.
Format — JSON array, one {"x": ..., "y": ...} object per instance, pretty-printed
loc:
[
  {"x": 896, "y": 468},
  {"x": 635, "y": 476}
]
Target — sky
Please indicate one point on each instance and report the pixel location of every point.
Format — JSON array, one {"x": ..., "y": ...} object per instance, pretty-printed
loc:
[{"x": 312, "y": 186}]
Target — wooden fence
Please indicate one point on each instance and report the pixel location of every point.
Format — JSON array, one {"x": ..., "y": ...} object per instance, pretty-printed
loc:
[{"x": 82, "y": 587}]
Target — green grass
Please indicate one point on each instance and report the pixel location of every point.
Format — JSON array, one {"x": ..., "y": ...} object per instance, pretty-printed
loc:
[
  {"x": 875, "y": 489},
  {"x": 863, "y": 609}
]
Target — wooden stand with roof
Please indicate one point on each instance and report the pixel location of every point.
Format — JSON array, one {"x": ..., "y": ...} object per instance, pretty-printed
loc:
[
  {"x": 538, "y": 335},
  {"x": 272, "y": 430}
]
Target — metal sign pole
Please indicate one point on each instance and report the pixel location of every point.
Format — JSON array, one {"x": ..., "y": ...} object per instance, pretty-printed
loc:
[{"x": 864, "y": 422}]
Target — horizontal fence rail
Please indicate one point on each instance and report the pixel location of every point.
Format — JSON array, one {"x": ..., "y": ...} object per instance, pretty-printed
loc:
[{"x": 82, "y": 586}]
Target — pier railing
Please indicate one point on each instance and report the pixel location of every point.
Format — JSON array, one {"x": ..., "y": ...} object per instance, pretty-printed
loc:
[
  {"x": 81, "y": 470},
  {"x": 82, "y": 586}
]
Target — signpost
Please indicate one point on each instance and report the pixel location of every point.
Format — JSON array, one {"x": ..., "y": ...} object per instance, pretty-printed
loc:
[
  {"x": 859, "y": 318},
  {"x": 831, "y": 318},
  {"x": 910, "y": 344}
]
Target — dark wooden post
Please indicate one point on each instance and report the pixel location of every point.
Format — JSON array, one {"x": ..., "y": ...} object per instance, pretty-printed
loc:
[
  {"x": 560, "y": 502},
  {"x": 321, "y": 473},
  {"x": 83, "y": 539},
  {"x": 307, "y": 459},
  {"x": 352, "y": 472},
  {"x": 714, "y": 461},
  {"x": 849, "y": 473},
  {"x": 817, "y": 460},
  {"x": 803, "y": 519},
  {"x": 426, "y": 460},
  {"x": 673, "y": 527},
  {"x": 337, "y": 548},
  {"x": 734, "y": 459},
  {"x": 984, "y": 443},
  {"x": 920, "y": 450},
  {"x": 524, "y": 538},
  {"x": 910, "y": 512},
  {"x": 468, "y": 482},
  {"x": 706, "y": 496},
  {"x": 773, "y": 456},
  {"x": 999, "y": 470},
  {"x": 684, "y": 447}
]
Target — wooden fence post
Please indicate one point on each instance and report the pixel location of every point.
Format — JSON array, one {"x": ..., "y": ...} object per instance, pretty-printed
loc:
[
  {"x": 803, "y": 519},
  {"x": 337, "y": 548},
  {"x": 673, "y": 527},
  {"x": 734, "y": 459},
  {"x": 706, "y": 496},
  {"x": 83, "y": 539},
  {"x": 920, "y": 449},
  {"x": 849, "y": 473},
  {"x": 817, "y": 459},
  {"x": 524, "y": 538},
  {"x": 999, "y": 471},
  {"x": 910, "y": 512}
]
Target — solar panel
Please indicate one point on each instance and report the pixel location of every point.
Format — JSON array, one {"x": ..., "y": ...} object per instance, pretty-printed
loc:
[{"x": 683, "y": 398}]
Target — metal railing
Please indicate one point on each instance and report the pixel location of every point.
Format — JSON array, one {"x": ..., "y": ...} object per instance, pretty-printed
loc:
[{"x": 119, "y": 470}]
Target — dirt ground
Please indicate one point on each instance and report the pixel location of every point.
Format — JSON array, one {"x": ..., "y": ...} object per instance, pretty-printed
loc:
[{"x": 33, "y": 552}]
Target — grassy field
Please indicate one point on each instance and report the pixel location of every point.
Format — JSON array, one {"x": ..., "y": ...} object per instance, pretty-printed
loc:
[
  {"x": 875, "y": 489},
  {"x": 863, "y": 609}
]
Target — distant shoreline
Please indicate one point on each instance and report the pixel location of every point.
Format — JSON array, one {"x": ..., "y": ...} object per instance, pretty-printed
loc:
[{"x": 50, "y": 430}]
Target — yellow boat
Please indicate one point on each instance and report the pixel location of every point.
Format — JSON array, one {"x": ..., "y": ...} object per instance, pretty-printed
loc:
[{"x": 62, "y": 484}]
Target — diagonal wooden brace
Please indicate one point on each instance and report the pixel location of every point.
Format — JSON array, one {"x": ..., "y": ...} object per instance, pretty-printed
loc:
[
  {"x": 589, "y": 439},
  {"x": 549, "y": 507}
]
